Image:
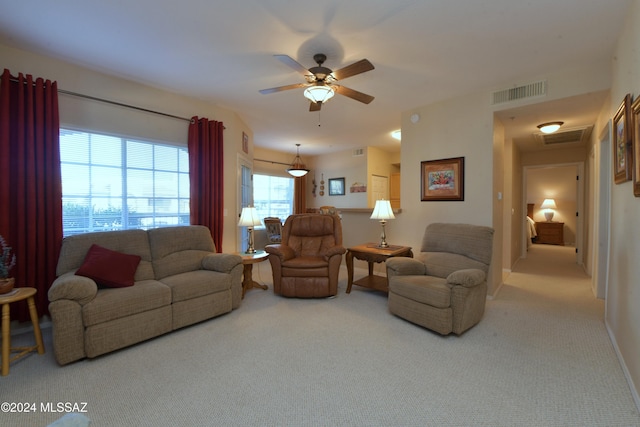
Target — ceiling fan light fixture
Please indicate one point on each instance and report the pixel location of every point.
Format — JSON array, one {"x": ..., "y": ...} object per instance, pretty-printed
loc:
[
  {"x": 550, "y": 127},
  {"x": 319, "y": 93},
  {"x": 297, "y": 168}
]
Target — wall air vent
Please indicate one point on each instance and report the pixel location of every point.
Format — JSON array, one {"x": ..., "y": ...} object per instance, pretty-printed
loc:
[
  {"x": 358, "y": 152},
  {"x": 521, "y": 92},
  {"x": 567, "y": 136}
]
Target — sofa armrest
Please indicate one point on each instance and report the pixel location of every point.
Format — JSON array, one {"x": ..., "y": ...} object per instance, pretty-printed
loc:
[
  {"x": 222, "y": 263},
  {"x": 403, "y": 266},
  {"x": 283, "y": 252},
  {"x": 468, "y": 278},
  {"x": 71, "y": 287}
]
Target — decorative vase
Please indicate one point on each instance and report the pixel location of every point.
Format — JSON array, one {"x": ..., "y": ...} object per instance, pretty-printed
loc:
[{"x": 6, "y": 285}]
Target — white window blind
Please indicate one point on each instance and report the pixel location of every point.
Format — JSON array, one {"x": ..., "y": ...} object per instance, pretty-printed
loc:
[
  {"x": 114, "y": 183},
  {"x": 273, "y": 196}
]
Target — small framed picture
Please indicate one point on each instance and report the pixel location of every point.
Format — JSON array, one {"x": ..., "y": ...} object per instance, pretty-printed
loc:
[
  {"x": 336, "y": 186},
  {"x": 622, "y": 142},
  {"x": 442, "y": 180},
  {"x": 245, "y": 142},
  {"x": 635, "y": 152}
]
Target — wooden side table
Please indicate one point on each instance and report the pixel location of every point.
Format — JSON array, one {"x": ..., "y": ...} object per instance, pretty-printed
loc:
[
  {"x": 371, "y": 253},
  {"x": 247, "y": 261},
  {"x": 18, "y": 294}
]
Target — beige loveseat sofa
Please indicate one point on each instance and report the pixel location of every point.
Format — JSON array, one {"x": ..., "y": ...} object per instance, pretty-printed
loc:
[{"x": 179, "y": 281}]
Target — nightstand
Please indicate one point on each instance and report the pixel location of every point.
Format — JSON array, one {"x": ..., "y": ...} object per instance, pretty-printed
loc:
[{"x": 551, "y": 233}]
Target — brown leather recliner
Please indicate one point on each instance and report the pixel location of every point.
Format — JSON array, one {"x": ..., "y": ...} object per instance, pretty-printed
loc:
[{"x": 307, "y": 262}]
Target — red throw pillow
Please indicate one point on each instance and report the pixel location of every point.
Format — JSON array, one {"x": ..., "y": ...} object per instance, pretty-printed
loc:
[{"x": 109, "y": 268}]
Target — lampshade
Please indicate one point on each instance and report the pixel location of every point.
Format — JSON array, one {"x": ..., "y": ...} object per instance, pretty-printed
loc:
[
  {"x": 297, "y": 168},
  {"x": 382, "y": 210},
  {"x": 249, "y": 217},
  {"x": 550, "y": 127},
  {"x": 319, "y": 92},
  {"x": 548, "y": 204}
]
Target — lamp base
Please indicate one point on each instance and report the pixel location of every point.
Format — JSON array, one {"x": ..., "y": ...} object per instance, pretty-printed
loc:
[{"x": 548, "y": 216}]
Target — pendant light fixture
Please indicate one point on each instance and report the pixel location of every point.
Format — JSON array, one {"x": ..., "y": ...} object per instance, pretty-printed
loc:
[{"x": 297, "y": 168}]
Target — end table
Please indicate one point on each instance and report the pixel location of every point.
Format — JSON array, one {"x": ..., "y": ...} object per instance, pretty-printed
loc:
[
  {"x": 371, "y": 253},
  {"x": 248, "y": 260},
  {"x": 18, "y": 294}
]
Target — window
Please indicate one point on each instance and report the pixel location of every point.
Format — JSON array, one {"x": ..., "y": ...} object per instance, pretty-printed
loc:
[
  {"x": 273, "y": 196},
  {"x": 114, "y": 183}
]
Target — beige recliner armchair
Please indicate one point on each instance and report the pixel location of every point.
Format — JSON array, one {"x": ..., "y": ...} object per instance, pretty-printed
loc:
[
  {"x": 444, "y": 288},
  {"x": 307, "y": 262}
]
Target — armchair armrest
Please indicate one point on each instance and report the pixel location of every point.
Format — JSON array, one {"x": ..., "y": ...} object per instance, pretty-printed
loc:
[
  {"x": 223, "y": 263},
  {"x": 334, "y": 250},
  {"x": 282, "y": 251},
  {"x": 72, "y": 287},
  {"x": 468, "y": 278},
  {"x": 403, "y": 266}
]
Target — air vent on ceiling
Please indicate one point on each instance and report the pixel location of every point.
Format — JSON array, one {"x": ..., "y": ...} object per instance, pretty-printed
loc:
[
  {"x": 567, "y": 136},
  {"x": 525, "y": 91},
  {"x": 358, "y": 152}
]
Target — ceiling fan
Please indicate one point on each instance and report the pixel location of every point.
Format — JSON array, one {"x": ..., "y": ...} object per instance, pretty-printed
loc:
[{"x": 321, "y": 81}]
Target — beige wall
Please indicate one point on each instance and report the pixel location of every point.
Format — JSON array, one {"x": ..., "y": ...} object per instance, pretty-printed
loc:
[{"x": 622, "y": 309}]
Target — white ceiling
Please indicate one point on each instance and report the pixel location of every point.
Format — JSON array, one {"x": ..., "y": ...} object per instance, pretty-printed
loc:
[{"x": 423, "y": 51}]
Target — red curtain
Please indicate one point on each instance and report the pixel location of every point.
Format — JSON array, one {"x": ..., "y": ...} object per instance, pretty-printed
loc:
[
  {"x": 30, "y": 182},
  {"x": 206, "y": 176}
]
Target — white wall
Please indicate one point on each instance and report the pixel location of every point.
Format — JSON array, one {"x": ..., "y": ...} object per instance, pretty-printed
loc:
[{"x": 623, "y": 295}]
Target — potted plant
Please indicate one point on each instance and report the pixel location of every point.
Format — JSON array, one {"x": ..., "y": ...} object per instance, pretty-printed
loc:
[{"x": 7, "y": 261}]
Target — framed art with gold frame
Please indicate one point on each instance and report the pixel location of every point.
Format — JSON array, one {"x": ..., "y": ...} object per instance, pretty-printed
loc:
[
  {"x": 635, "y": 151},
  {"x": 442, "y": 180},
  {"x": 622, "y": 160}
]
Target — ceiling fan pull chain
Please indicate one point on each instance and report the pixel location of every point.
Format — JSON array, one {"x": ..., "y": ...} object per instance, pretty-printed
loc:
[{"x": 319, "y": 111}]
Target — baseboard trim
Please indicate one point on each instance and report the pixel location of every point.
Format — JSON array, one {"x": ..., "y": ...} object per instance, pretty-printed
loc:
[{"x": 623, "y": 365}]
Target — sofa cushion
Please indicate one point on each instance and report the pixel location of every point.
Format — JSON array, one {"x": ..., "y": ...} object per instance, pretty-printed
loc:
[
  {"x": 111, "y": 304},
  {"x": 109, "y": 268},
  {"x": 194, "y": 284},
  {"x": 178, "y": 250},
  {"x": 135, "y": 242},
  {"x": 428, "y": 290}
]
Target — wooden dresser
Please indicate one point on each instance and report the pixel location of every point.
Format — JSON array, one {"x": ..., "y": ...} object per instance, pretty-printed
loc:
[{"x": 551, "y": 233}]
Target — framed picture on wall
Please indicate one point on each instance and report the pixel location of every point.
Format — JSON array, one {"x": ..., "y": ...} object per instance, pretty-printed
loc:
[
  {"x": 442, "y": 180},
  {"x": 635, "y": 149},
  {"x": 336, "y": 186},
  {"x": 622, "y": 159},
  {"x": 245, "y": 142}
]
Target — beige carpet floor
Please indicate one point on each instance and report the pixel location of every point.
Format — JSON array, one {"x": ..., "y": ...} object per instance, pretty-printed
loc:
[{"x": 540, "y": 357}]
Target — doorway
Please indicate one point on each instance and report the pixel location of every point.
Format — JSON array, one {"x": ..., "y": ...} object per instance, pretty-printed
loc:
[{"x": 565, "y": 184}]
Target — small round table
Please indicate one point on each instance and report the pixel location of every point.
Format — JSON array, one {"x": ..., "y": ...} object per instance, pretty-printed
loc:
[
  {"x": 18, "y": 294},
  {"x": 248, "y": 260}
]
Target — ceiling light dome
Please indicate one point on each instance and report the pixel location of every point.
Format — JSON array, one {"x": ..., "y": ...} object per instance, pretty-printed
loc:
[
  {"x": 319, "y": 93},
  {"x": 550, "y": 127}
]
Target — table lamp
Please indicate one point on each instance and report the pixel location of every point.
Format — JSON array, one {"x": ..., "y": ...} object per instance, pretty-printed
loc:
[
  {"x": 249, "y": 218},
  {"x": 549, "y": 205},
  {"x": 383, "y": 212}
]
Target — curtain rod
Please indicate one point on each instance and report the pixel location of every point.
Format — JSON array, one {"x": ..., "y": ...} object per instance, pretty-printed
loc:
[
  {"x": 272, "y": 162},
  {"x": 120, "y": 104}
]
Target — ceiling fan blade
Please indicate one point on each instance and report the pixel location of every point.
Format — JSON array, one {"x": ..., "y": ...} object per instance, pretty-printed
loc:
[
  {"x": 281, "y": 88},
  {"x": 287, "y": 60},
  {"x": 353, "y": 69},
  {"x": 354, "y": 94},
  {"x": 315, "y": 106}
]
